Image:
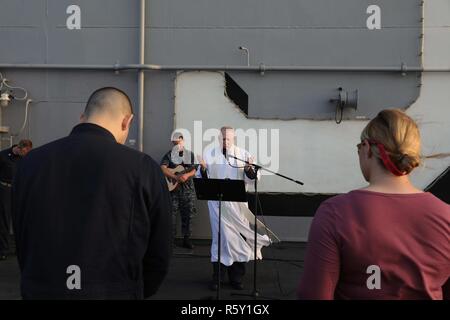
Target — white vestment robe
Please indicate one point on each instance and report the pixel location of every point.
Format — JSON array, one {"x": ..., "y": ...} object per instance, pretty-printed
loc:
[{"x": 237, "y": 232}]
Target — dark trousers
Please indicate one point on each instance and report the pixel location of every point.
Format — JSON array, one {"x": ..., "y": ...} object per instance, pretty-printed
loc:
[
  {"x": 5, "y": 218},
  {"x": 183, "y": 204},
  {"x": 235, "y": 272}
]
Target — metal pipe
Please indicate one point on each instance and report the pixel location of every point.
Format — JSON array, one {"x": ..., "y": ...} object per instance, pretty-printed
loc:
[
  {"x": 141, "y": 76},
  {"x": 59, "y": 66},
  {"x": 260, "y": 68}
]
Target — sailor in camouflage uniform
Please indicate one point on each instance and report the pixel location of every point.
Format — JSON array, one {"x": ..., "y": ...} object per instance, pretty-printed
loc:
[{"x": 183, "y": 196}]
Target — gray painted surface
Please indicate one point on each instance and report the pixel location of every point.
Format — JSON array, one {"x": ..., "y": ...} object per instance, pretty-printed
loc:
[
  {"x": 37, "y": 32},
  {"x": 209, "y": 32},
  {"x": 58, "y": 100},
  {"x": 287, "y": 32},
  {"x": 287, "y": 95},
  {"x": 159, "y": 113},
  {"x": 283, "y": 32}
]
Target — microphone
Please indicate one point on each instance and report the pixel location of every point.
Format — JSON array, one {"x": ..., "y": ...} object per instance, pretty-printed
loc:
[{"x": 224, "y": 151}]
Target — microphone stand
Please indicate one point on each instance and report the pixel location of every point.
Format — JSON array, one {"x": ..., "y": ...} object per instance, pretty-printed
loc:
[
  {"x": 219, "y": 247},
  {"x": 255, "y": 293}
]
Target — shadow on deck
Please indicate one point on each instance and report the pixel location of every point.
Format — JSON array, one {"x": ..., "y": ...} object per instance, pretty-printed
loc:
[{"x": 190, "y": 273}]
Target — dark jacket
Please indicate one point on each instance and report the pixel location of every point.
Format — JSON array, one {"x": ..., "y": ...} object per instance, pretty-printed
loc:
[
  {"x": 87, "y": 201},
  {"x": 8, "y": 163}
]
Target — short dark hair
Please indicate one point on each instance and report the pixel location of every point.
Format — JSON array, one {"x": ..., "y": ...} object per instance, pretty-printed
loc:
[{"x": 97, "y": 99}]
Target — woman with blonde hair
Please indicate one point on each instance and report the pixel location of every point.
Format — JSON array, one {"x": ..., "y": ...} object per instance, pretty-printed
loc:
[{"x": 388, "y": 240}]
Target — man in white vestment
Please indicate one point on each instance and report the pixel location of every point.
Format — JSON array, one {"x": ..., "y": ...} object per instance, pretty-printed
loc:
[{"x": 237, "y": 232}]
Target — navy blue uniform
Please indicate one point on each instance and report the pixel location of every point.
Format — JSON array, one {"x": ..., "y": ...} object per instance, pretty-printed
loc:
[
  {"x": 89, "y": 202},
  {"x": 8, "y": 163}
]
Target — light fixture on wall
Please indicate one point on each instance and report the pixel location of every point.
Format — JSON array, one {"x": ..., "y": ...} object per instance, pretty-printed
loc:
[
  {"x": 247, "y": 52},
  {"x": 5, "y": 99},
  {"x": 7, "y": 92},
  {"x": 7, "y": 95}
]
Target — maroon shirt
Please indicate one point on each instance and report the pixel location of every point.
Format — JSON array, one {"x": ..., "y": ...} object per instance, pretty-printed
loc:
[{"x": 406, "y": 235}]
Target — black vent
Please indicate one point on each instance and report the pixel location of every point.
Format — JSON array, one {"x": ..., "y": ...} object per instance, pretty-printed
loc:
[
  {"x": 236, "y": 94},
  {"x": 440, "y": 187}
]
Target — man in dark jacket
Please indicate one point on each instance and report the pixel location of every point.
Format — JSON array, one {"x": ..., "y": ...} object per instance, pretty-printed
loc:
[
  {"x": 9, "y": 158},
  {"x": 92, "y": 217}
]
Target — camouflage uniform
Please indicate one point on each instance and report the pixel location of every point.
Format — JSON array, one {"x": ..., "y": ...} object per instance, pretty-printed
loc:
[
  {"x": 183, "y": 196},
  {"x": 183, "y": 203}
]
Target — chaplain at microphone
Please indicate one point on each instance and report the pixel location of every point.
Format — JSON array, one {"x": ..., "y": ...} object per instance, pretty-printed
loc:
[
  {"x": 235, "y": 250},
  {"x": 248, "y": 168}
]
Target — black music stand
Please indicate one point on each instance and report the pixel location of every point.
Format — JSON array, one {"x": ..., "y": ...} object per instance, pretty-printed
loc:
[{"x": 220, "y": 190}]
